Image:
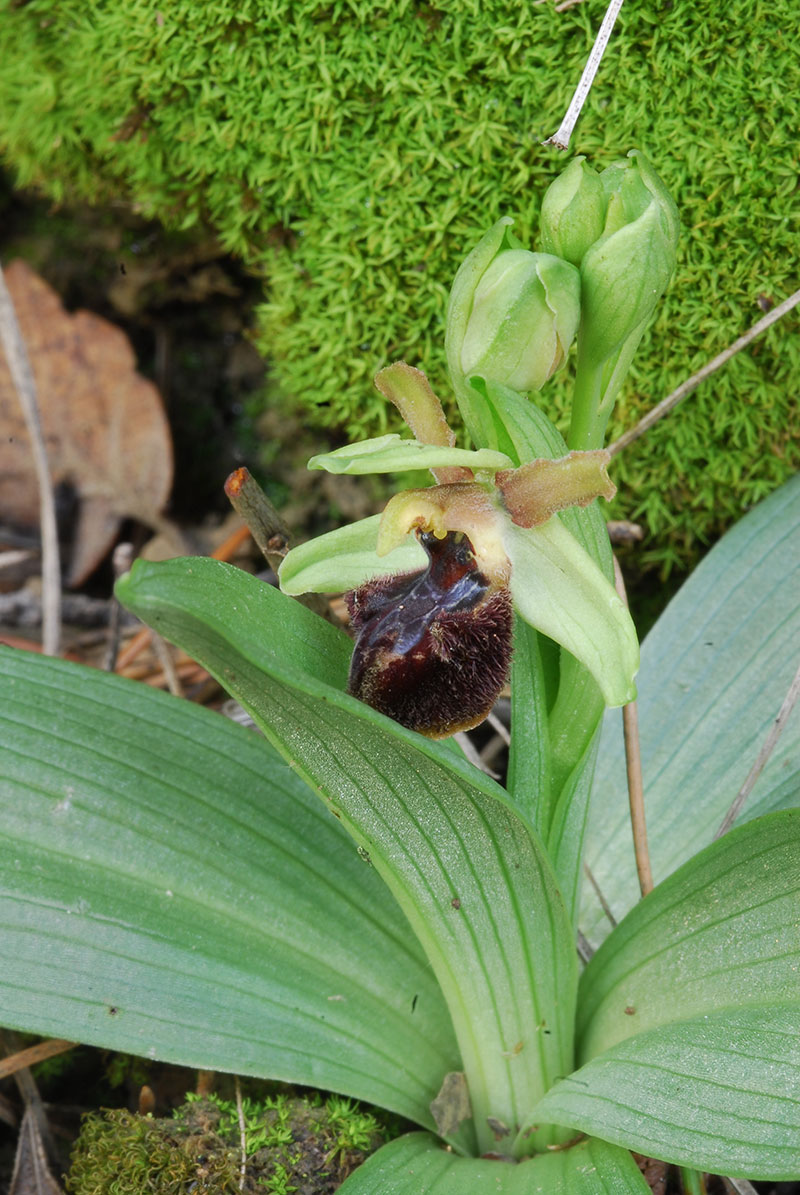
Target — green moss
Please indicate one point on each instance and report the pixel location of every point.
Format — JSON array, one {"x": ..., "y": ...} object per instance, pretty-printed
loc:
[
  {"x": 352, "y": 151},
  {"x": 290, "y": 1144}
]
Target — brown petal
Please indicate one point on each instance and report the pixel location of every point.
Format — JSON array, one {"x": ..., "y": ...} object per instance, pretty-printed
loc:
[{"x": 535, "y": 491}]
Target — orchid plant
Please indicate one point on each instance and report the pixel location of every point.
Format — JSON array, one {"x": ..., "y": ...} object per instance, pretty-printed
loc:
[{"x": 349, "y": 902}]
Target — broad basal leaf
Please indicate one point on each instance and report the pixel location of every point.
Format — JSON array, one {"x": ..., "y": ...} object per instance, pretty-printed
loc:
[
  {"x": 417, "y": 1163},
  {"x": 169, "y": 887},
  {"x": 720, "y": 1093},
  {"x": 715, "y": 670},
  {"x": 722, "y": 931},
  {"x": 470, "y": 875}
]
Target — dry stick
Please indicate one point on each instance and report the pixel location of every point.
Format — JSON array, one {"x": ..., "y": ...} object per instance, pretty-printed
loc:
[
  {"x": 685, "y": 389},
  {"x": 561, "y": 138},
  {"x": 584, "y": 947},
  {"x": 242, "y": 1133},
  {"x": 267, "y": 529},
  {"x": 121, "y": 562},
  {"x": 19, "y": 367},
  {"x": 500, "y": 728},
  {"x": 740, "y": 1185},
  {"x": 775, "y": 732},
  {"x": 633, "y": 765},
  {"x": 23, "y": 1077},
  {"x": 266, "y": 526},
  {"x": 598, "y": 891},
  {"x": 166, "y": 659},
  {"x": 33, "y": 1054}
]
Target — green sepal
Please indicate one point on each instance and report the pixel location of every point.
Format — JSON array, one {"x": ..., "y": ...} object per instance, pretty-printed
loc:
[
  {"x": 557, "y": 588},
  {"x": 525, "y": 314},
  {"x": 346, "y": 558},
  {"x": 391, "y": 454}
]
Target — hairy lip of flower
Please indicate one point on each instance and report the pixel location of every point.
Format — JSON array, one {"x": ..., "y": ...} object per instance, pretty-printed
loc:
[{"x": 433, "y": 647}]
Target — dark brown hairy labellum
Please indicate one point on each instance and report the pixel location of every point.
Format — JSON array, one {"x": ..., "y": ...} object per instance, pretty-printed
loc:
[{"x": 433, "y": 648}]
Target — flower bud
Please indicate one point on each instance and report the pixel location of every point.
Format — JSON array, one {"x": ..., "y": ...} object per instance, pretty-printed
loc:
[
  {"x": 573, "y": 212},
  {"x": 524, "y": 315},
  {"x": 626, "y": 271}
]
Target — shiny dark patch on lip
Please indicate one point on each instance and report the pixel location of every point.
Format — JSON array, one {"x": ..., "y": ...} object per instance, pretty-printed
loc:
[{"x": 433, "y": 647}]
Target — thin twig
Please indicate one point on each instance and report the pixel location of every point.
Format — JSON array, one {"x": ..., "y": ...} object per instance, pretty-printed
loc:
[
  {"x": 121, "y": 561},
  {"x": 473, "y": 754},
  {"x": 598, "y": 891},
  {"x": 33, "y": 1054},
  {"x": 633, "y": 766},
  {"x": 166, "y": 659},
  {"x": 23, "y": 1077},
  {"x": 686, "y": 388},
  {"x": 19, "y": 367},
  {"x": 242, "y": 1133},
  {"x": 268, "y": 530},
  {"x": 561, "y": 138},
  {"x": 142, "y": 638},
  {"x": 266, "y": 526},
  {"x": 491, "y": 750},
  {"x": 740, "y": 1185},
  {"x": 230, "y": 546},
  {"x": 768, "y": 747},
  {"x": 499, "y": 727},
  {"x": 584, "y": 947}
]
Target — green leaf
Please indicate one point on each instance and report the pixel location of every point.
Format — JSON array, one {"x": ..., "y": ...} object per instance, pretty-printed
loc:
[
  {"x": 346, "y": 558},
  {"x": 470, "y": 875},
  {"x": 391, "y": 454},
  {"x": 417, "y": 1163},
  {"x": 171, "y": 888},
  {"x": 568, "y": 826},
  {"x": 719, "y": 1093},
  {"x": 715, "y": 670},
  {"x": 722, "y": 931}
]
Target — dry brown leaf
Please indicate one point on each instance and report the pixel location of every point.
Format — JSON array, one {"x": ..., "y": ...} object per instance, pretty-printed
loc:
[
  {"x": 31, "y": 1171},
  {"x": 104, "y": 425}
]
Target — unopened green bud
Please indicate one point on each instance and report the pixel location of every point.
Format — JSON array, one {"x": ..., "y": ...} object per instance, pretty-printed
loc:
[
  {"x": 623, "y": 275},
  {"x": 524, "y": 315},
  {"x": 626, "y": 271},
  {"x": 630, "y": 186},
  {"x": 573, "y": 212}
]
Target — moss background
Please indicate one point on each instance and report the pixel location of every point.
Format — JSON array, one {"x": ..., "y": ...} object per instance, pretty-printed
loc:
[{"x": 351, "y": 153}]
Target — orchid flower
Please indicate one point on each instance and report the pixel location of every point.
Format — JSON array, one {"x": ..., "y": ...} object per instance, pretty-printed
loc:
[{"x": 436, "y": 576}]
